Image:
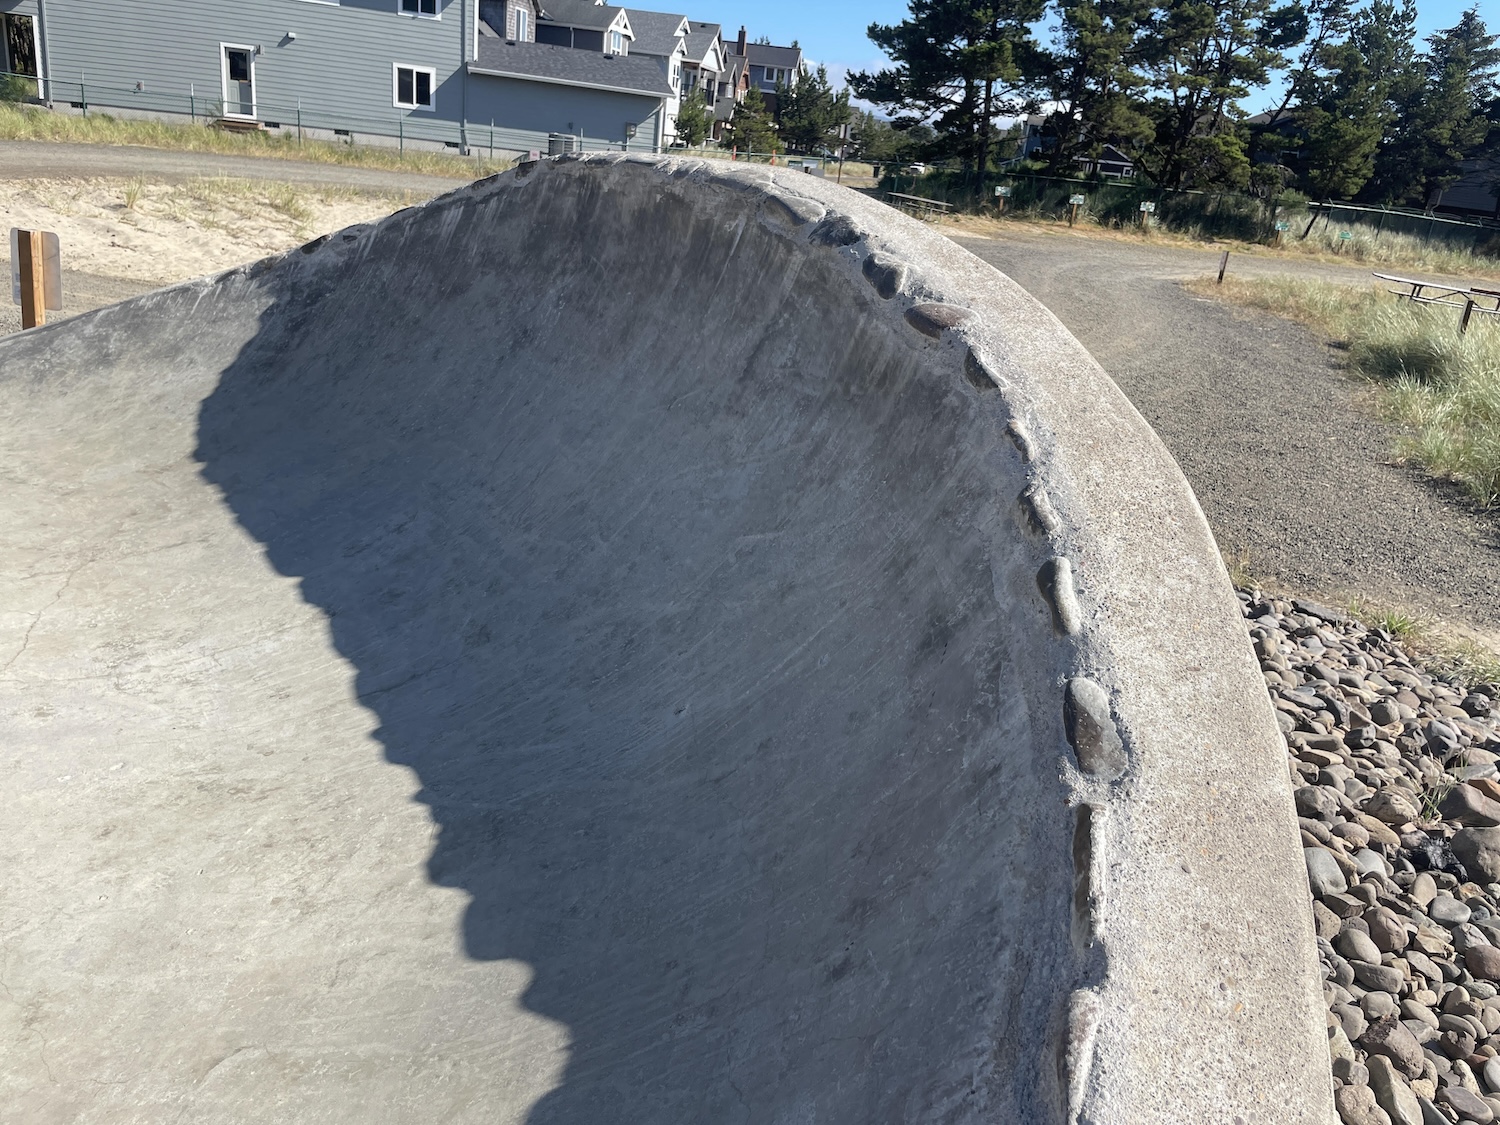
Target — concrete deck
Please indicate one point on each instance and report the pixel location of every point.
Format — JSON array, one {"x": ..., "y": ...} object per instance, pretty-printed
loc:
[{"x": 627, "y": 641}]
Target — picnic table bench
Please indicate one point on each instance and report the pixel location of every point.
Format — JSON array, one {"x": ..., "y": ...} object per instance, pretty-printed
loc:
[
  {"x": 918, "y": 205},
  {"x": 1471, "y": 298}
]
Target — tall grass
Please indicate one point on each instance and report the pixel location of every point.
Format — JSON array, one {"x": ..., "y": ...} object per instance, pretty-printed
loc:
[
  {"x": 1442, "y": 388},
  {"x": 31, "y": 123},
  {"x": 1369, "y": 244}
]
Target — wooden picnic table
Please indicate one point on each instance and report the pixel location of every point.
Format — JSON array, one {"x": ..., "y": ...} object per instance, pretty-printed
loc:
[
  {"x": 918, "y": 205},
  {"x": 1471, "y": 298}
]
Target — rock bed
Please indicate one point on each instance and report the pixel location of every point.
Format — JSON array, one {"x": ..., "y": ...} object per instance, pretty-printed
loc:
[{"x": 1394, "y": 774}]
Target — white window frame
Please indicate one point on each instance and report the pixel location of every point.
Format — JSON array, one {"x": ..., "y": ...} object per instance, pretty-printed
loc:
[
  {"x": 523, "y": 22},
  {"x": 616, "y": 42},
  {"x": 431, "y": 72},
  {"x": 254, "y": 114},
  {"x": 676, "y": 77},
  {"x": 437, "y": 10}
]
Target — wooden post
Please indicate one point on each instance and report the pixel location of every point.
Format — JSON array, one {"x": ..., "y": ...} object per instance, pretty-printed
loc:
[
  {"x": 1223, "y": 265},
  {"x": 33, "y": 280},
  {"x": 1072, "y": 213},
  {"x": 1463, "y": 324}
]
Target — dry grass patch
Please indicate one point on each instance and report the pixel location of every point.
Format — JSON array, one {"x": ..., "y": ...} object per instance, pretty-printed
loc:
[
  {"x": 32, "y": 123},
  {"x": 1440, "y": 387}
]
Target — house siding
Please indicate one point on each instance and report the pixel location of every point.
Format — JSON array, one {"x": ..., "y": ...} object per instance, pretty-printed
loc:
[
  {"x": 339, "y": 66},
  {"x": 541, "y": 108}
]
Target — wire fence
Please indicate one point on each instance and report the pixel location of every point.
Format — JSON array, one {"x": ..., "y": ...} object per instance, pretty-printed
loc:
[
  {"x": 303, "y": 120},
  {"x": 1472, "y": 232},
  {"x": 1218, "y": 214}
]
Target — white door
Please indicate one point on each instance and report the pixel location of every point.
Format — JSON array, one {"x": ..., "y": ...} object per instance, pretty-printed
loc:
[{"x": 239, "y": 81}]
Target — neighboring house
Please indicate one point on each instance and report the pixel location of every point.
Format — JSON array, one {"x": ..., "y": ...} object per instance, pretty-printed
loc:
[
  {"x": 705, "y": 59},
  {"x": 1111, "y": 163},
  {"x": 417, "y": 69},
  {"x": 772, "y": 66},
  {"x": 662, "y": 36},
  {"x": 586, "y": 26},
  {"x": 734, "y": 83},
  {"x": 1476, "y": 195}
]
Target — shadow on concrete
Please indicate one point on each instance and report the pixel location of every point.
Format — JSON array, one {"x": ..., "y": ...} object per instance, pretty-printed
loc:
[{"x": 681, "y": 586}]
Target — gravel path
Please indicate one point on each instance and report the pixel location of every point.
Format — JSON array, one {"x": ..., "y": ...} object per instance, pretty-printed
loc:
[
  {"x": 30, "y": 160},
  {"x": 1280, "y": 445}
]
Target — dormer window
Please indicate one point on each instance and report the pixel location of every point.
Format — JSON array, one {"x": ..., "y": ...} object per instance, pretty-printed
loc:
[
  {"x": 523, "y": 25},
  {"x": 616, "y": 43}
]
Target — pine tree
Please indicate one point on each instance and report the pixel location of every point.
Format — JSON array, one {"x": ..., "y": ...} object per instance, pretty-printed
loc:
[
  {"x": 809, "y": 112},
  {"x": 958, "y": 66},
  {"x": 1342, "y": 115},
  {"x": 1204, "y": 56},
  {"x": 1094, "y": 81},
  {"x": 1437, "y": 112},
  {"x": 694, "y": 119},
  {"x": 751, "y": 129}
]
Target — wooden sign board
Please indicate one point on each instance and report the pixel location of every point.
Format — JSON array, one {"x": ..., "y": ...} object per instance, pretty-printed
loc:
[{"x": 35, "y": 274}]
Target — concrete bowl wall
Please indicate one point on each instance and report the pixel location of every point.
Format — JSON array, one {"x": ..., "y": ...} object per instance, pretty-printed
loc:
[{"x": 819, "y": 695}]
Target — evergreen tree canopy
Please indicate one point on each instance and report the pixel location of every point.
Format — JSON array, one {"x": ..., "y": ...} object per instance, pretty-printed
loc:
[
  {"x": 959, "y": 65},
  {"x": 809, "y": 112}
]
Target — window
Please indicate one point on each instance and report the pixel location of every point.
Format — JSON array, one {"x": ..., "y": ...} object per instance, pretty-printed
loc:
[
  {"x": 523, "y": 31},
  {"x": 676, "y": 76},
  {"x": 775, "y": 74},
  {"x": 616, "y": 43},
  {"x": 413, "y": 86},
  {"x": 419, "y": 7}
]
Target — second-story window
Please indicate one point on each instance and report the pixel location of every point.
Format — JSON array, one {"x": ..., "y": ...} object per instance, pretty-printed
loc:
[
  {"x": 616, "y": 42},
  {"x": 419, "y": 7},
  {"x": 523, "y": 21}
]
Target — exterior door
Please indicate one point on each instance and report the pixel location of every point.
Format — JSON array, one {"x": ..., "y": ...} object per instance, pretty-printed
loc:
[
  {"x": 17, "y": 46},
  {"x": 239, "y": 81}
]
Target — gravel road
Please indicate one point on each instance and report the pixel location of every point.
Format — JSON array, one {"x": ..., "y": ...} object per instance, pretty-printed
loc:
[
  {"x": 1282, "y": 448},
  {"x": 36, "y": 160}
]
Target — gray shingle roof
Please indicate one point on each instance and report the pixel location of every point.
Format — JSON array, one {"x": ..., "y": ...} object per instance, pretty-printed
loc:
[
  {"x": 762, "y": 55},
  {"x": 579, "y": 13},
  {"x": 700, "y": 38},
  {"x": 655, "y": 32},
  {"x": 544, "y": 62}
]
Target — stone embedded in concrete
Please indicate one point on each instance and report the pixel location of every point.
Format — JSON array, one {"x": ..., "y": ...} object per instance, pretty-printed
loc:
[
  {"x": 1020, "y": 439},
  {"x": 1055, "y": 580},
  {"x": 886, "y": 274},
  {"x": 1037, "y": 509},
  {"x": 1091, "y": 730},
  {"x": 933, "y": 319},
  {"x": 980, "y": 377}
]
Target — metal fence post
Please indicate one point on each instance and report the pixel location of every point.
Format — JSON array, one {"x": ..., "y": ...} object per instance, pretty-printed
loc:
[
  {"x": 83, "y": 96},
  {"x": 401, "y": 137},
  {"x": 193, "y": 103},
  {"x": 299, "y": 122}
]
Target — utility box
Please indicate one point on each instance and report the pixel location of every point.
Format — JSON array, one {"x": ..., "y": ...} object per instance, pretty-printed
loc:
[{"x": 560, "y": 143}]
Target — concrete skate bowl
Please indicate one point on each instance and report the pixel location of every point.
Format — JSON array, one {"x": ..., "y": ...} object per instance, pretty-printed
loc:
[{"x": 627, "y": 641}]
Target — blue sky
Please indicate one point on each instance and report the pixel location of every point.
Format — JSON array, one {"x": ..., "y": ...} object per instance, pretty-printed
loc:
[{"x": 833, "y": 31}]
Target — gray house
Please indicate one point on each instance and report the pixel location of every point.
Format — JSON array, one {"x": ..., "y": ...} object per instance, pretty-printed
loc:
[
  {"x": 770, "y": 66},
  {"x": 436, "y": 71}
]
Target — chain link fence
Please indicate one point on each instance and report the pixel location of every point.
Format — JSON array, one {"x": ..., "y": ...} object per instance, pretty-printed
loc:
[{"x": 306, "y": 121}]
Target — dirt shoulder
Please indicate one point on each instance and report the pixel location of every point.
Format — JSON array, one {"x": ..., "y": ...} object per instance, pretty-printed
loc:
[
  {"x": 1279, "y": 443},
  {"x": 44, "y": 160}
]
